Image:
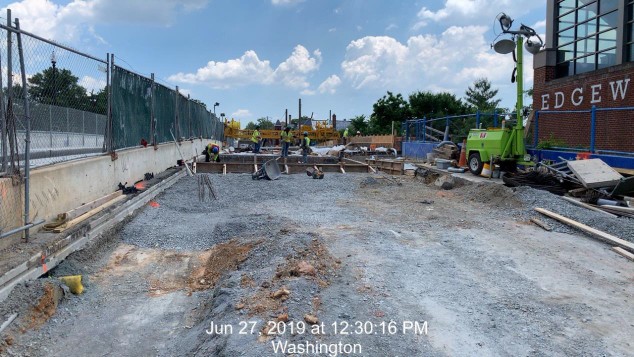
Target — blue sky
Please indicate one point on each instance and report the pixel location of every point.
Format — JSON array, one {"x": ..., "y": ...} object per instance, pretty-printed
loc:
[{"x": 258, "y": 57}]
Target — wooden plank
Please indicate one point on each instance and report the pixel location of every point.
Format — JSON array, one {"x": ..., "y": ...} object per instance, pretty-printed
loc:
[
  {"x": 541, "y": 224},
  {"x": 593, "y": 231},
  {"x": 585, "y": 205},
  {"x": 624, "y": 171},
  {"x": 74, "y": 213},
  {"x": 594, "y": 173},
  {"x": 619, "y": 208},
  {"x": 624, "y": 253},
  {"x": 70, "y": 224}
]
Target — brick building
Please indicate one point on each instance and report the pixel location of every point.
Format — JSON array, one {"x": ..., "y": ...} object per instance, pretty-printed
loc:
[{"x": 588, "y": 61}]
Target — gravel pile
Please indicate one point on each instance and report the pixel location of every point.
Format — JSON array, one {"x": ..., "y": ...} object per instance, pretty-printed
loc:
[
  {"x": 215, "y": 221},
  {"x": 519, "y": 202}
]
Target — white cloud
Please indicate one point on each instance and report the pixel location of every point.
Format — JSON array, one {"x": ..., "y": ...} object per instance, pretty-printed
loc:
[
  {"x": 292, "y": 72},
  {"x": 463, "y": 12},
  {"x": 333, "y": 29},
  {"x": 308, "y": 92},
  {"x": 330, "y": 85},
  {"x": 92, "y": 84},
  {"x": 391, "y": 27},
  {"x": 285, "y": 2},
  {"x": 249, "y": 69},
  {"x": 450, "y": 62},
  {"x": 67, "y": 23},
  {"x": 242, "y": 114}
]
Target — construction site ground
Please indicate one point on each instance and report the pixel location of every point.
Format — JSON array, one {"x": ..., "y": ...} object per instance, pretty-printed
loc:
[{"x": 387, "y": 265}]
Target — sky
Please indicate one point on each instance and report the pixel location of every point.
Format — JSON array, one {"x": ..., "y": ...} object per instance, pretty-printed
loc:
[{"x": 257, "y": 58}]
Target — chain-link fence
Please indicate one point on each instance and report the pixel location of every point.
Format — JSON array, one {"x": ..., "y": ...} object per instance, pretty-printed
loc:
[
  {"x": 58, "y": 104},
  {"x": 144, "y": 111}
]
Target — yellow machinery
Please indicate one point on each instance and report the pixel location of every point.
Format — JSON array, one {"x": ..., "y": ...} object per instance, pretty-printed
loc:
[{"x": 321, "y": 133}]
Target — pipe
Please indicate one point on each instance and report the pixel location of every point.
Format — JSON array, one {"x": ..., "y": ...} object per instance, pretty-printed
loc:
[{"x": 20, "y": 229}]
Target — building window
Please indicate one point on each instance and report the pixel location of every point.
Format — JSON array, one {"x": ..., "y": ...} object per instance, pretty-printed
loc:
[
  {"x": 586, "y": 35},
  {"x": 629, "y": 31}
]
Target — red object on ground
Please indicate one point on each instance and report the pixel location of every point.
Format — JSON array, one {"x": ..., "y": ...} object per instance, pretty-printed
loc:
[{"x": 154, "y": 204}]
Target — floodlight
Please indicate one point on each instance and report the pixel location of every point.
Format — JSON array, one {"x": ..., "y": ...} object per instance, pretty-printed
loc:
[
  {"x": 532, "y": 47},
  {"x": 504, "y": 46},
  {"x": 505, "y": 22}
]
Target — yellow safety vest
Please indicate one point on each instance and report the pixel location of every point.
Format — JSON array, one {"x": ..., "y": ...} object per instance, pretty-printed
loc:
[
  {"x": 307, "y": 142},
  {"x": 287, "y": 137},
  {"x": 254, "y": 138},
  {"x": 345, "y": 133}
]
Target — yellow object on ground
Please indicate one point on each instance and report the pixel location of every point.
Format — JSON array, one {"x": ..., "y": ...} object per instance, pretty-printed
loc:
[{"x": 74, "y": 283}]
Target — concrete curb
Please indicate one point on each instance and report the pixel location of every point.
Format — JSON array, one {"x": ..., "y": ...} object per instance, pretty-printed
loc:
[{"x": 95, "y": 228}]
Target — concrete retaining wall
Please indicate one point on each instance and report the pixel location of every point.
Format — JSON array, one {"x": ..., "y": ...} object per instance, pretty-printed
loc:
[{"x": 61, "y": 187}]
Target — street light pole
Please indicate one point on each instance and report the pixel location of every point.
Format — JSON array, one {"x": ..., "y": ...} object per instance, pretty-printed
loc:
[{"x": 215, "y": 105}]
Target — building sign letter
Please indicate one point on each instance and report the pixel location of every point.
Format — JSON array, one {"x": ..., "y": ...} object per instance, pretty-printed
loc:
[
  {"x": 578, "y": 102},
  {"x": 545, "y": 98},
  {"x": 596, "y": 93},
  {"x": 620, "y": 88}
]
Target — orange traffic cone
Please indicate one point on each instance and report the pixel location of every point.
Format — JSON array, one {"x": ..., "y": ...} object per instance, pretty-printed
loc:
[{"x": 463, "y": 155}]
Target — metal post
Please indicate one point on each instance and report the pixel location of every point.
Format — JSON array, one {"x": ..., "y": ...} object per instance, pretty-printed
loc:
[
  {"x": 83, "y": 128},
  {"x": 108, "y": 140},
  {"x": 67, "y": 127},
  {"x": 536, "y": 130},
  {"x": 50, "y": 126},
  {"x": 495, "y": 118},
  {"x": 593, "y": 123},
  {"x": 3, "y": 125},
  {"x": 176, "y": 118},
  {"x": 27, "y": 121},
  {"x": 189, "y": 116},
  {"x": 152, "y": 111},
  {"x": 424, "y": 128},
  {"x": 9, "y": 87},
  {"x": 478, "y": 119},
  {"x": 96, "y": 134},
  {"x": 446, "y": 136}
]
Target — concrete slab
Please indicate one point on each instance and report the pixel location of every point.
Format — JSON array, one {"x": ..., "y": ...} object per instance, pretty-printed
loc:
[{"x": 594, "y": 173}]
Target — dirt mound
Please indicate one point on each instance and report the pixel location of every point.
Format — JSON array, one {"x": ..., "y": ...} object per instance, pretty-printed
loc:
[
  {"x": 45, "y": 307},
  {"x": 218, "y": 260},
  {"x": 490, "y": 194}
]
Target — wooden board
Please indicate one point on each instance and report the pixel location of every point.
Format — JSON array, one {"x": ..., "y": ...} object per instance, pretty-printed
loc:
[
  {"x": 541, "y": 224},
  {"x": 78, "y": 220},
  {"x": 74, "y": 213},
  {"x": 585, "y": 205},
  {"x": 594, "y": 173},
  {"x": 624, "y": 253},
  {"x": 593, "y": 231}
]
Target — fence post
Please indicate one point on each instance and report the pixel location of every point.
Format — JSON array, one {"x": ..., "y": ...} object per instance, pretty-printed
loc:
[
  {"x": 152, "y": 112},
  {"x": 83, "y": 128},
  {"x": 536, "y": 130},
  {"x": 446, "y": 136},
  {"x": 96, "y": 134},
  {"x": 495, "y": 118},
  {"x": 424, "y": 128},
  {"x": 50, "y": 125},
  {"x": 27, "y": 120},
  {"x": 593, "y": 123},
  {"x": 67, "y": 127},
  {"x": 107, "y": 138},
  {"x": 176, "y": 119},
  {"x": 3, "y": 121},
  {"x": 478, "y": 119}
]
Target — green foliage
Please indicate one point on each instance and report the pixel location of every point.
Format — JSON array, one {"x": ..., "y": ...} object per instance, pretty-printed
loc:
[
  {"x": 481, "y": 96},
  {"x": 358, "y": 123},
  {"x": 264, "y": 123},
  {"x": 58, "y": 86},
  {"x": 550, "y": 143},
  {"x": 386, "y": 110}
]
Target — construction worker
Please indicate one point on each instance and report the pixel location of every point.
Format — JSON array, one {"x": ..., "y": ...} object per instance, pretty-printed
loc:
[
  {"x": 305, "y": 147},
  {"x": 255, "y": 138},
  {"x": 212, "y": 153},
  {"x": 286, "y": 137},
  {"x": 345, "y": 136}
]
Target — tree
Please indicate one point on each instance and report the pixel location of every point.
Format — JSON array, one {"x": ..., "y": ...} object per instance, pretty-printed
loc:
[
  {"x": 438, "y": 105},
  {"x": 358, "y": 123},
  {"x": 481, "y": 96},
  {"x": 386, "y": 110},
  {"x": 264, "y": 123},
  {"x": 58, "y": 87}
]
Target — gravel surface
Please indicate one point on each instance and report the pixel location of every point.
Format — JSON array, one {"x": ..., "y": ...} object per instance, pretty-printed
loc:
[{"x": 347, "y": 249}]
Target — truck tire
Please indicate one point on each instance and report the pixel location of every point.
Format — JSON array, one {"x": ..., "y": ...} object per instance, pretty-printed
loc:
[{"x": 475, "y": 164}]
